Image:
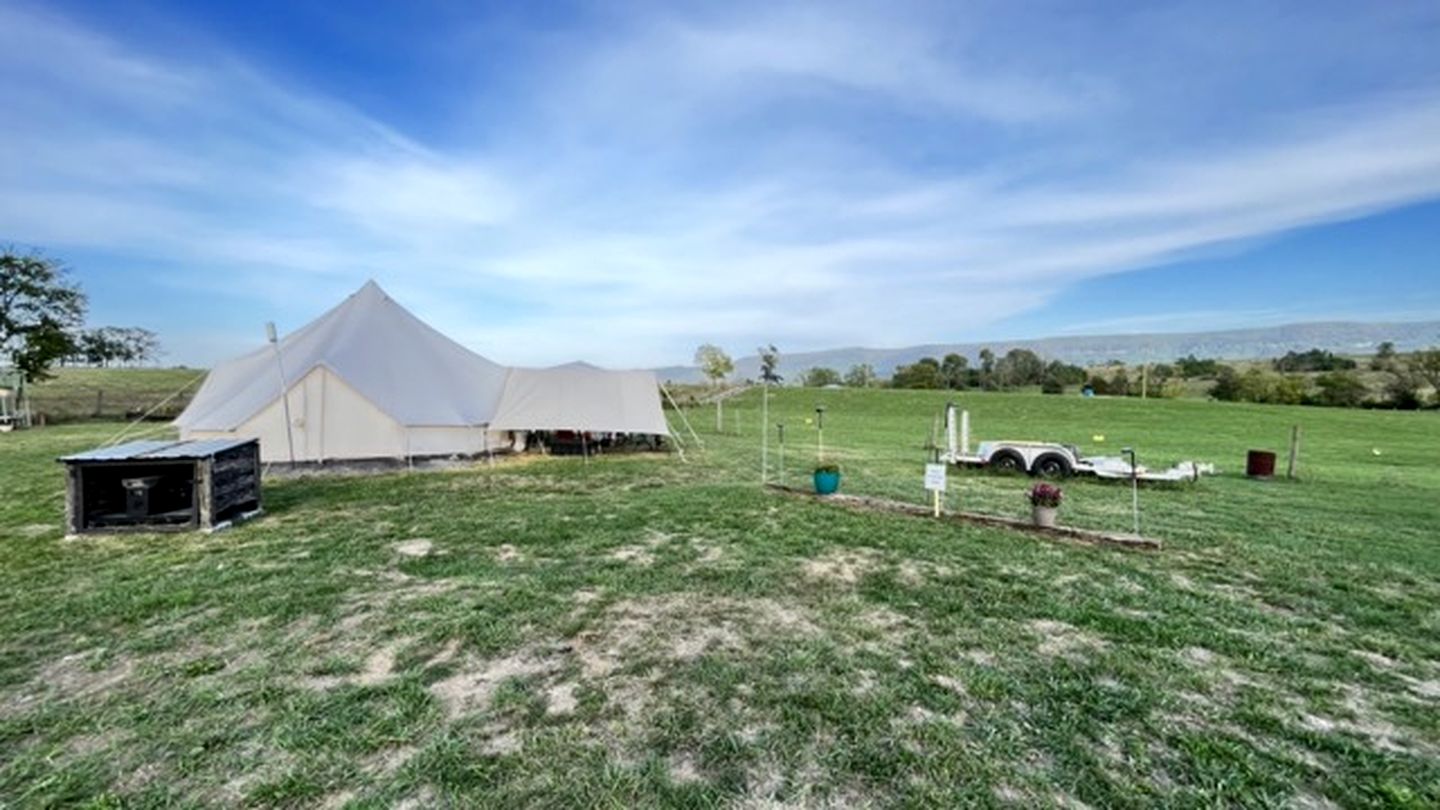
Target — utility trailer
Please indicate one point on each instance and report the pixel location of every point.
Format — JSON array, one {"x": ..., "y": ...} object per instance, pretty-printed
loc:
[{"x": 1049, "y": 459}]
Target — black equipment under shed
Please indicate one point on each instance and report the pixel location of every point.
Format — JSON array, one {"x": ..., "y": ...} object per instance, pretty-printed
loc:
[{"x": 162, "y": 485}]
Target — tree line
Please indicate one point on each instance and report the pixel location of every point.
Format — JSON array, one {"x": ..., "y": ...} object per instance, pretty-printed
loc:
[
  {"x": 1313, "y": 377},
  {"x": 42, "y": 321}
]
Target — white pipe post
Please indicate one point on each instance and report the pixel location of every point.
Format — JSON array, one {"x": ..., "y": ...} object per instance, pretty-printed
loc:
[
  {"x": 950, "y": 447},
  {"x": 284, "y": 386},
  {"x": 1134, "y": 488},
  {"x": 965, "y": 432},
  {"x": 764, "y": 432}
]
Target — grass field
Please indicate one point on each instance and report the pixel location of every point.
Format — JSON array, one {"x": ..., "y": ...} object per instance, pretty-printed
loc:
[
  {"x": 112, "y": 393},
  {"x": 637, "y": 631}
]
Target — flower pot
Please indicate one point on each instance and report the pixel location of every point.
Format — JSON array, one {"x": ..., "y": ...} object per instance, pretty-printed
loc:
[
  {"x": 826, "y": 483},
  {"x": 1043, "y": 516}
]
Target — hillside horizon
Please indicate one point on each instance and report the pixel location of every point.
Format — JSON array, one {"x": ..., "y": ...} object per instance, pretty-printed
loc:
[{"x": 1344, "y": 337}]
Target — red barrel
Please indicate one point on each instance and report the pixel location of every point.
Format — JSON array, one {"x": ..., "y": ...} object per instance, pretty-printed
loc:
[{"x": 1260, "y": 464}]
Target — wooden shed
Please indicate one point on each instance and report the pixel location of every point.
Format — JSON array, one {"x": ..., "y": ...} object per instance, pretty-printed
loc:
[{"x": 162, "y": 486}]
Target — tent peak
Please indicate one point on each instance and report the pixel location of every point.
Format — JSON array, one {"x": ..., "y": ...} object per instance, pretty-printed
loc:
[{"x": 371, "y": 289}]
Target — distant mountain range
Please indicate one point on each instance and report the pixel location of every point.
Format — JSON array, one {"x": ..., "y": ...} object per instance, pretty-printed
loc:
[{"x": 1233, "y": 344}]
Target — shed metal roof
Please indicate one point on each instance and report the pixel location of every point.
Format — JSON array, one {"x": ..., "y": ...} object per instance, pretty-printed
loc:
[{"x": 150, "y": 450}]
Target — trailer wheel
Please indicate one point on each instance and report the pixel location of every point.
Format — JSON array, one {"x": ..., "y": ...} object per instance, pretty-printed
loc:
[
  {"x": 1008, "y": 462},
  {"x": 1051, "y": 465}
]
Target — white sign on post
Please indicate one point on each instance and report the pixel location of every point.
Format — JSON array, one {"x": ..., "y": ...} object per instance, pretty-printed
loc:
[{"x": 935, "y": 477}]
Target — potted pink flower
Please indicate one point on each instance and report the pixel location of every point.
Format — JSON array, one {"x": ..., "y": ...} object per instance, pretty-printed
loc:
[{"x": 1044, "y": 502}]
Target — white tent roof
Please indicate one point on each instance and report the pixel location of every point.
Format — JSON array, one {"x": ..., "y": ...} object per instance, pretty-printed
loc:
[
  {"x": 408, "y": 370},
  {"x": 578, "y": 396}
]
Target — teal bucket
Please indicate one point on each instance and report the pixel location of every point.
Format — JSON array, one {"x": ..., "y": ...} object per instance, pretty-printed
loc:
[{"x": 827, "y": 483}]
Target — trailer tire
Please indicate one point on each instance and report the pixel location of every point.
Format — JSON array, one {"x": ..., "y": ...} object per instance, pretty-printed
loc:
[
  {"x": 1051, "y": 465},
  {"x": 1007, "y": 462}
]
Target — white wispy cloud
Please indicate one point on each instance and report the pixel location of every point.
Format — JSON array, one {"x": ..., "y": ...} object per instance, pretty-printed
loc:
[{"x": 807, "y": 175}]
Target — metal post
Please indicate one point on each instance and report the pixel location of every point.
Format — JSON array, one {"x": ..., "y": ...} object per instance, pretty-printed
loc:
[
  {"x": 820, "y": 434},
  {"x": 1293, "y": 467},
  {"x": 780, "y": 427},
  {"x": 284, "y": 387}
]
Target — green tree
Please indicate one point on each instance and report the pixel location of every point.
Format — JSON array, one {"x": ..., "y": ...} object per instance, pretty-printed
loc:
[
  {"x": 1402, "y": 390},
  {"x": 954, "y": 368},
  {"x": 39, "y": 310},
  {"x": 1340, "y": 389},
  {"x": 861, "y": 375},
  {"x": 1289, "y": 389},
  {"x": 1019, "y": 367},
  {"x": 987, "y": 370},
  {"x": 1313, "y": 360},
  {"x": 1426, "y": 366},
  {"x": 1227, "y": 385},
  {"x": 923, "y": 373},
  {"x": 714, "y": 363},
  {"x": 1384, "y": 356},
  {"x": 1191, "y": 367},
  {"x": 769, "y": 362},
  {"x": 1065, "y": 373},
  {"x": 1120, "y": 383},
  {"x": 820, "y": 377}
]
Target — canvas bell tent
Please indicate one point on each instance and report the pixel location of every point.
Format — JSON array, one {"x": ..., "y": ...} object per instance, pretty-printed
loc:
[
  {"x": 370, "y": 380},
  {"x": 365, "y": 380},
  {"x": 580, "y": 397}
]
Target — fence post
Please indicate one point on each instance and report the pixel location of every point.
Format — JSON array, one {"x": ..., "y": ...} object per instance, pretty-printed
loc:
[{"x": 1290, "y": 469}]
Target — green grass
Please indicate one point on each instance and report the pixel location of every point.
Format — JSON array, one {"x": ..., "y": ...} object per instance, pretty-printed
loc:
[
  {"x": 112, "y": 393},
  {"x": 636, "y": 631}
]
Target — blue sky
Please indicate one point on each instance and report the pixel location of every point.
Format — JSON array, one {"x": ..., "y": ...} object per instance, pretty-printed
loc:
[{"x": 619, "y": 182}]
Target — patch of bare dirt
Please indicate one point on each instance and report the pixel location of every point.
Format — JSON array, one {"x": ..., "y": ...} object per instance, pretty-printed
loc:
[
  {"x": 683, "y": 627},
  {"x": 378, "y": 668},
  {"x": 921, "y": 716},
  {"x": 984, "y": 658},
  {"x": 1360, "y": 717},
  {"x": 560, "y": 699},
  {"x": 473, "y": 687},
  {"x": 507, "y": 553},
  {"x": 71, "y": 677},
  {"x": 683, "y": 770},
  {"x": 387, "y": 761},
  {"x": 642, "y": 554},
  {"x": 1062, "y": 640},
  {"x": 1375, "y": 660},
  {"x": 953, "y": 684},
  {"x": 916, "y": 573},
  {"x": 445, "y": 655},
  {"x": 417, "y": 547},
  {"x": 845, "y": 566}
]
